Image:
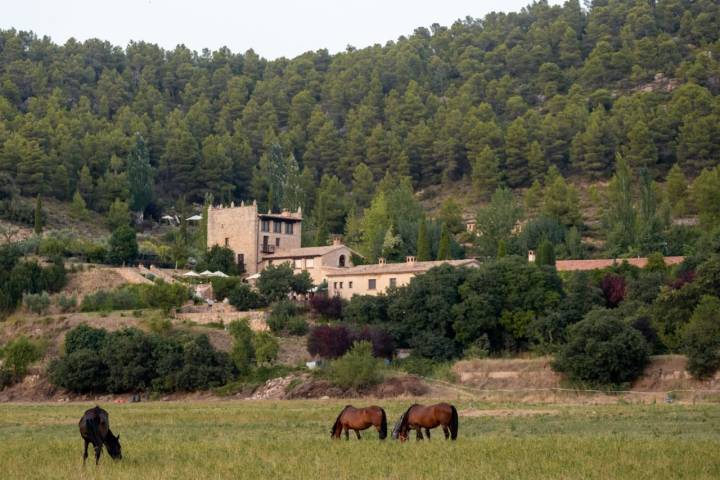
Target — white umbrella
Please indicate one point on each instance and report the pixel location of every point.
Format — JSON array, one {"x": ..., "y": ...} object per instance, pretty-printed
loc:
[
  {"x": 220, "y": 274},
  {"x": 206, "y": 273},
  {"x": 194, "y": 218},
  {"x": 191, "y": 274}
]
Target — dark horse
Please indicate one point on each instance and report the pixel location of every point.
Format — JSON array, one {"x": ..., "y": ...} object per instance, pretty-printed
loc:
[
  {"x": 357, "y": 419},
  {"x": 418, "y": 417},
  {"x": 95, "y": 429}
]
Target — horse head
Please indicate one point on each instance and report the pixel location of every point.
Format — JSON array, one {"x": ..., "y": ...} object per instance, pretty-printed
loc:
[
  {"x": 113, "y": 446},
  {"x": 400, "y": 430}
]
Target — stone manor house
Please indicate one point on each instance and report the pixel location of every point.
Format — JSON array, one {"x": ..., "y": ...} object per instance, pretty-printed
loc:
[{"x": 262, "y": 239}]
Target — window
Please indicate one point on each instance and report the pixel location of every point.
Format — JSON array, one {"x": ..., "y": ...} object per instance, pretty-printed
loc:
[
  {"x": 393, "y": 282},
  {"x": 227, "y": 241},
  {"x": 349, "y": 284},
  {"x": 341, "y": 261},
  {"x": 341, "y": 284},
  {"x": 241, "y": 260},
  {"x": 298, "y": 263},
  {"x": 310, "y": 263},
  {"x": 371, "y": 284},
  {"x": 289, "y": 228},
  {"x": 277, "y": 227},
  {"x": 277, "y": 241},
  {"x": 265, "y": 225},
  {"x": 334, "y": 285}
]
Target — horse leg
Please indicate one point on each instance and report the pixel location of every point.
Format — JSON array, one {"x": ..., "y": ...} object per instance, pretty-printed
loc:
[
  {"x": 419, "y": 435},
  {"x": 347, "y": 433},
  {"x": 85, "y": 454},
  {"x": 427, "y": 432},
  {"x": 98, "y": 450},
  {"x": 357, "y": 432},
  {"x": 446, "y": 431}
]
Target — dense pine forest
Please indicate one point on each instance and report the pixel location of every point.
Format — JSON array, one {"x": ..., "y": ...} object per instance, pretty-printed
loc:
[{"x": 505, "y": 101}]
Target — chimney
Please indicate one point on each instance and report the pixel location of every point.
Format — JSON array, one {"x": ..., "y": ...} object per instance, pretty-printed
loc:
[
  {"x": 410, "y": 259},
  {"x": 531, "y": 256},
  {"x": 337, "y": 240},
  {"x": 285, "y": 212},
  {"x": 381, "y": 261}
]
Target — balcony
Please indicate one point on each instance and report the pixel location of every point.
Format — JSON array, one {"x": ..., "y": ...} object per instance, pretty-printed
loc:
[{"x": 267, "y": 248}]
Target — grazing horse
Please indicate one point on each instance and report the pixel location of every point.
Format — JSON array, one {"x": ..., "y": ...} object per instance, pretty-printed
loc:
[
  {"x": 357, "y": 419},
  {"x": 418, "y": 417},
  {"x": 95, "y": 429}
]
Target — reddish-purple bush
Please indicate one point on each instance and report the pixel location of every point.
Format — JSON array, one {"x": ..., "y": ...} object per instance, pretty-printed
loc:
[
  {"x": 682, "y": 279},
  {"x": 328, "y": 307},
  {"x": 613, "y": 288},
  {"x": 328, "y": 341},
  {"x": 382, "y": 342}
]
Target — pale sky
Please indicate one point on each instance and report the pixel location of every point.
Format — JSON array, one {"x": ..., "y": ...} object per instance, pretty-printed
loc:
[{"x": 273, "y": 28}]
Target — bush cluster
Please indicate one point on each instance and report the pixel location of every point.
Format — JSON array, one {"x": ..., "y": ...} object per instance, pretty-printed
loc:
[
  {"x": 20, "y": 277},
  {"x": 333, "y": 341},
  {"x": 357, "y": 369},
  {"x": 327, "y": 307},
  {"x": 17, "y": 356},
  {"x": 160, "y": 294},
  {"x": 130, "y": 360},
  {"x": 240, "y": 295},
  {"x": 287, "y": 317}
]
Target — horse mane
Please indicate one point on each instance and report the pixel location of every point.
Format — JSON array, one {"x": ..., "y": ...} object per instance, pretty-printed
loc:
[
  {"x": 403, "y": 420},
  {"x": 337, "y": 420}
]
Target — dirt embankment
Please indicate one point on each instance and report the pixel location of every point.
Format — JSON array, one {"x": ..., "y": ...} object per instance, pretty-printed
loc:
[{"x": 534, "y": 380}]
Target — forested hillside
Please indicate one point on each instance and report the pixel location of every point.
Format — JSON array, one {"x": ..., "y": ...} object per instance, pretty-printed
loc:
[{"x": 498, "y": 99}]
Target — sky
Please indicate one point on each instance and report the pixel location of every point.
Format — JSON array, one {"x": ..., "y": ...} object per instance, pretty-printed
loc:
[{"x": 273, "y": 28}]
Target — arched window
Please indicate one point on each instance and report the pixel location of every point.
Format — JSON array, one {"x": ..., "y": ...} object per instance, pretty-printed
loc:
[{"x": 341, "y": 261}]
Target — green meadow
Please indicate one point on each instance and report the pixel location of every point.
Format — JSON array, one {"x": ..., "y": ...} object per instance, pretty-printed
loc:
[{"x": 290, "y": 439}]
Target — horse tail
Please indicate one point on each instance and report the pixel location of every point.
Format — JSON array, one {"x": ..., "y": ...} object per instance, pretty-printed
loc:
[
  {"x": 337, "y": 420},
  {"x": 453, "y": 423},
  {"x": 383, "y": 425}
]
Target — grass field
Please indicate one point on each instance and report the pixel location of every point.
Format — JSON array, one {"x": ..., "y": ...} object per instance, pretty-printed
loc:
[{"x": 290, "y": 439}]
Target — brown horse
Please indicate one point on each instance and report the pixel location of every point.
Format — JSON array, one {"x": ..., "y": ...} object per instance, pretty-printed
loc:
[
  {"x": 95, "y": 429},
  {"x": 357, "y": 419},
  {"x": 418, "y": 417}
]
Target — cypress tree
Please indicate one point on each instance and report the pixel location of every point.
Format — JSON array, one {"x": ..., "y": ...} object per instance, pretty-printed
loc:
[
  {"x": 545, "y": 253},
  {"x": 444, "y": 246},
  {"x": 140, "y": 176},
  {"x": 423, "y": 243},
  {"x": 38, "y": 216}
]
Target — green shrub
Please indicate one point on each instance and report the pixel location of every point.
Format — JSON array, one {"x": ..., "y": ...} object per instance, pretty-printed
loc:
[
  {"x": 243, "y": 297},
  {"x": 602, "y": 350},
  {"x": 161, "y": 295},
  {"x": 19, "y": 354},
  {"x": 222, "y": 287},
  {"x": 67, "y": 303},
  {"x": 123, "y": 246},
  {"x": 266, "y": 348},
  {"x": 283, "y": 316},
  {"x": 82, "y": 371},
  {"x": 701, "y": 338},
  {"x": 243, "y": 351},
  {"x": 38, "y": 303},
  {"x": 297, "y": 326},
  {"x": 84, "y": 337},
  {"x": 356, "y": 369}
]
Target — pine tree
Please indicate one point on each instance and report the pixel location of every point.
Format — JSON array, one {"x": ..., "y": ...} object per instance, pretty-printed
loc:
[
  {"x": 363, "y": 186},
  {"x": 78, "y": 208},
  {"x": 537, "y": 164},
  {"x": 516, "y": 161},
  {"x": 140, "y": 176},
  {"x": 486, "y": 172},
  {"x": 118, "y": 215},
  {"x": 676, "y": 188},
  {"x": 424, "y": 253},
  {"x": 38, "y": 224},
  {"x": 593, "y": 149},
  {"x": 444, "y": 245},
  {"x": 641, "y": 150}
]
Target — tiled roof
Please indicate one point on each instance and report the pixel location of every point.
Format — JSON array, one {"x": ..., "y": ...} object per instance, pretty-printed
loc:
[
  {"x": 305, "y": 252},
  {"x": 571, "y": 265},
  {"x": 405, "y": 267}
]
